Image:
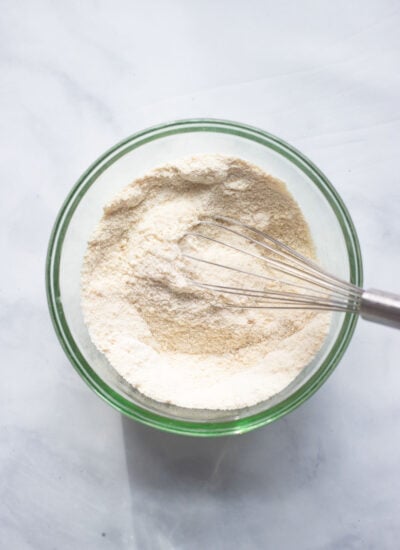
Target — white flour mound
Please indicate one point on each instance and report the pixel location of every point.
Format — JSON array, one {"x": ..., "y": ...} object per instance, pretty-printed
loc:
[{"x": 162, "y": 334}]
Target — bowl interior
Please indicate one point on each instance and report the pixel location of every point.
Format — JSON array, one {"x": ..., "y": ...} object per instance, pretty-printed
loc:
[{"x": 330, "y": 226}]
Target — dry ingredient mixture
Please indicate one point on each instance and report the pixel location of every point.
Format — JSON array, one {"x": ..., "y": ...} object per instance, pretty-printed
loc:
[{"x": 165, "y": 336}]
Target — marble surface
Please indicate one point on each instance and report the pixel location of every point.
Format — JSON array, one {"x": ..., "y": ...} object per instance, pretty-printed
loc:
[{"x": 76, "y": 78}]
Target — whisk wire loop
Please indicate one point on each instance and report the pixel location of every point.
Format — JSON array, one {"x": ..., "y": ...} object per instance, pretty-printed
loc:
[{"x": 312, "y": 288}]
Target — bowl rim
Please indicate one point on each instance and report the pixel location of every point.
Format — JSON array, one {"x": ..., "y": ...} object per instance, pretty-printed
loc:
[{"x": 72, "y": 350}]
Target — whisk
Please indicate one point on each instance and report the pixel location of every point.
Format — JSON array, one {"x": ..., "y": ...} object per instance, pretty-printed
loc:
[{"x": 302, "y": 283}]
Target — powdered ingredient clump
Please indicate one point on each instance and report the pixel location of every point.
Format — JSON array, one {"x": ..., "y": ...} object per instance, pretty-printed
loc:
[{"x": 166, "y": 337}]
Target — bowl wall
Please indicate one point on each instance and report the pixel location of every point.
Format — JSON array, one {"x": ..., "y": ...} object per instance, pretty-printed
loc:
[{"x": 331, "y": 227}]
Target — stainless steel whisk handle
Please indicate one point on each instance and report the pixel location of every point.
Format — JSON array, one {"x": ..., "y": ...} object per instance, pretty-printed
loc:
[{"x": 380, "y": 307}]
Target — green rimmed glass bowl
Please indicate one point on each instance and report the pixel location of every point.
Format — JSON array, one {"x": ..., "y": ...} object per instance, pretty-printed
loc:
[{"x": 331, "y": 227}]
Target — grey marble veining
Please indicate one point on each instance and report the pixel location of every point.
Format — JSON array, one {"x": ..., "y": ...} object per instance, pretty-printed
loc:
[{"x": 76, "y": 78}]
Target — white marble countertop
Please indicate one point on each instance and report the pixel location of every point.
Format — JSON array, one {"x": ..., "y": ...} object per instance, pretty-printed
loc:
[{"x": 78, "y": 77}]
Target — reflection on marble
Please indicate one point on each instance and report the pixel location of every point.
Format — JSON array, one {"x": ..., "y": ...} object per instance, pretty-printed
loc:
[{"x": 79, "y": 76}]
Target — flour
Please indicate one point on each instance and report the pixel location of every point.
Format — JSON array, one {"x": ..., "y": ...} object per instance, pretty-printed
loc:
[{"x": 166, "y": 337}]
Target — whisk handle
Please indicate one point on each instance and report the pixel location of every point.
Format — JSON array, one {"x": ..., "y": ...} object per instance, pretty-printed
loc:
[{"x": 381, "y": 307}]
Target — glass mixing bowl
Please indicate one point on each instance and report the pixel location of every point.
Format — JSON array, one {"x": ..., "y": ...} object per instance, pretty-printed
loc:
[{"x": 331, "y": 227}]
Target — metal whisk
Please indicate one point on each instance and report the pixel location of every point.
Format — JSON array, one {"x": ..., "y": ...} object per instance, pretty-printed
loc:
[{"x": 302, "y": 283}]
